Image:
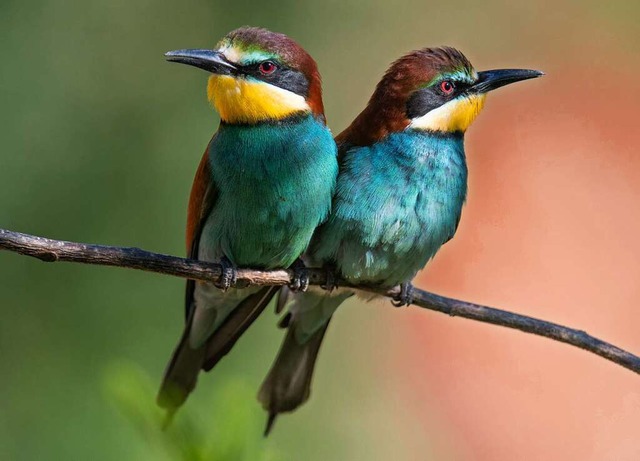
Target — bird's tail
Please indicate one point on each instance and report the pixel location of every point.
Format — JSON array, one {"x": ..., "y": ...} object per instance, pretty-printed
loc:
[
  {"x": 288, "y": 384},
  {"x": 181, "y": 374},
  {"x": 186, "y": 362}
]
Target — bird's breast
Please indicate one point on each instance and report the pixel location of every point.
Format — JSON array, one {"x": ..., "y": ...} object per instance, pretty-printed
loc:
[
  {"x": 396, "y": 204},
  {"x": 274, "y": 187}
]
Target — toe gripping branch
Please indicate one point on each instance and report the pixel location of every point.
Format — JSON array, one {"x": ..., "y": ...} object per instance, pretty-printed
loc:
[
  {"x": 228, "y": 276},
  {"x": 405, "y": 297},
  {"x": 300, "y": 281}
]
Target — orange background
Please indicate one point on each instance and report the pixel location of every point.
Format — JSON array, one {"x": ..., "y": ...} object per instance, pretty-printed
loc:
[{"x": 550, "y": 230}]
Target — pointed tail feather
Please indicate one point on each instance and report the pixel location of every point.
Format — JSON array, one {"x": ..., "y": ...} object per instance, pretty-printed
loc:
[
  {"x": 181, "y": 374},
  {"x": 271, "y": 420},
  {"x": 288, "y": 384}
]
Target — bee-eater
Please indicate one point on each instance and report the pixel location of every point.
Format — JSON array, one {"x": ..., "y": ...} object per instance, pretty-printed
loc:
[
  {"x": 264, "y": 184},
  {"x": 401, "y": 186}
]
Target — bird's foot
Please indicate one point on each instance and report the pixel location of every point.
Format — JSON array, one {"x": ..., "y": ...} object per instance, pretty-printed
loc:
[
  {"x": 228, "y": 276},
  {"x": 405, "y": 297},
  {"x": 331, "y": 282},
  {"x": 300, "y": 281}
]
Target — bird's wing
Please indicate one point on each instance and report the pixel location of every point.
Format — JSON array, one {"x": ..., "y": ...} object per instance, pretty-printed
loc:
[
  {"x": 202, "y": 198},
  {"x": 182, "y": 371}
]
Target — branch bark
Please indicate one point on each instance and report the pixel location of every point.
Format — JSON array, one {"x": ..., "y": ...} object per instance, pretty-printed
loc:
[{"x": 134, "y": 258}]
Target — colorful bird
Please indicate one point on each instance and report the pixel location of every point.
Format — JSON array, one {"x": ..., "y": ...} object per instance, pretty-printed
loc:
[
  {"x": 264, "y": 184},
  {"x": 399, "y": 196}
]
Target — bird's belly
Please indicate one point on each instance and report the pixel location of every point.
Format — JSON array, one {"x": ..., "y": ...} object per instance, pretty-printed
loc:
[
  {"x": 386, "y": 263},
  {"x": 267, "y": 237},
  {"x": 405, "y": 240}
]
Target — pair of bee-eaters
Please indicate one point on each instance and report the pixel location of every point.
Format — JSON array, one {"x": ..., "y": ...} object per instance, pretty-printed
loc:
[{"x": 273, "y": 186}]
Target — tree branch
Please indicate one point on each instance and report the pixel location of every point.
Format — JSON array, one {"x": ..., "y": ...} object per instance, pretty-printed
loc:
[{"x": 135, "y": 258}]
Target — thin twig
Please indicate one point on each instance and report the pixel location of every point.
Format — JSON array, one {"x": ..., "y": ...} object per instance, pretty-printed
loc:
[{"x": 134, "y": 258}]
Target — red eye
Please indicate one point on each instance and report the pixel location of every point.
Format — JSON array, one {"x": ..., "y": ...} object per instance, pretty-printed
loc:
[
  {"x": 267, "y": 67},
  {"x": 447, "y": 87}
]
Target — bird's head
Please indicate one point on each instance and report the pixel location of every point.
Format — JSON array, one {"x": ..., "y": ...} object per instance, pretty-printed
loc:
[
  {"x": 257, "y": 76},
  {"x": 432, "y": 89}
]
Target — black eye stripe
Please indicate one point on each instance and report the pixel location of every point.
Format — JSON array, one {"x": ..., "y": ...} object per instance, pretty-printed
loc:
[
  {"x": 254, "y": 69},
  {"x": 283, "y": 77},
  {"x": 426, "y": 99}
]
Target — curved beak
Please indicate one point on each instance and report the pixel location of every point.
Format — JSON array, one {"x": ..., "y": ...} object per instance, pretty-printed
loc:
[
  {"x": 209, "y": 60},
  {"x": 489, "y": 80}
]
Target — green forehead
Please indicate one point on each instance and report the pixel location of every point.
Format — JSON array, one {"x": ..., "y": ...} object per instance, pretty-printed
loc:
[
  {"x": 461, "y": 74},
  {"x": 246, "y": 53}
]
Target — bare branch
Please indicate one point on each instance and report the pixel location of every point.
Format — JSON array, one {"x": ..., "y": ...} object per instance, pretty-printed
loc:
[{"x": 134, "y": 258}]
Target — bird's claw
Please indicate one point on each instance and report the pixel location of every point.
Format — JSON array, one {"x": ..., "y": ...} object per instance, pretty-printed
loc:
[
  {"x": 405, "y": 297},
  {"x": 300, "y": 281},
  {"x": 228, "y": 276}
]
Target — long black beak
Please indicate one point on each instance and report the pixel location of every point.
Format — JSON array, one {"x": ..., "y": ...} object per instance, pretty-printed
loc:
[
  {"x": 489, "y": 80},
  {"x": 209, "y": 60}
]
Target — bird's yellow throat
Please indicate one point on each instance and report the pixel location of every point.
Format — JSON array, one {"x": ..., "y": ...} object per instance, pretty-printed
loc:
[
  {"x": 242, "y": 100},
  {"x": 454, "y": 116}
]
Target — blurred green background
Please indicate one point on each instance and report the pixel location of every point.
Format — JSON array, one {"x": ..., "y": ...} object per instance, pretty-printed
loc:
[{"x": 100, "y": 141}]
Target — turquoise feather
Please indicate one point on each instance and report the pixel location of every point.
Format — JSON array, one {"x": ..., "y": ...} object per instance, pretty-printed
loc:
[
  {"x": 274, "y": 183},
  {"x": 396, "y": 203}
]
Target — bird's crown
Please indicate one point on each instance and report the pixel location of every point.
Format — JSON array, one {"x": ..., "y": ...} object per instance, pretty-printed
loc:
[{"x": 249, "y": 46}]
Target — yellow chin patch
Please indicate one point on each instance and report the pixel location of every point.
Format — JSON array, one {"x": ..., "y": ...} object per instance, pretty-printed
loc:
[
  {"x": 239, "y": 100},
  {"x": 454, "y": 116}
]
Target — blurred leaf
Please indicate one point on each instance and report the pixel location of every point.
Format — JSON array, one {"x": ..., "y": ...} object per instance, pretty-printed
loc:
[{"x": 227, "y": 428}]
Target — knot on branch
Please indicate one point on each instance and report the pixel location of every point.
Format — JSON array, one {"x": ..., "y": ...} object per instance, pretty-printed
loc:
[{"x": 46, "y": 256}]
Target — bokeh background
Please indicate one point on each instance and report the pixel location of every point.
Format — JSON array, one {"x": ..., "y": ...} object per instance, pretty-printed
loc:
[{"x": 100, "y": 139}]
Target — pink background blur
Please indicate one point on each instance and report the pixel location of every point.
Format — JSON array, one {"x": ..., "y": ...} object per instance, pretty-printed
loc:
[{"x": 550, "y": 230}]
